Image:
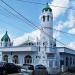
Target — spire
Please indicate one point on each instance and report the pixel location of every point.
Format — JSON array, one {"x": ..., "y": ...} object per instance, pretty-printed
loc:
[
  {"x": 6, "y": 32},
  {"x": 47, "y": 5},
  {"x": 46, "y": 8}
]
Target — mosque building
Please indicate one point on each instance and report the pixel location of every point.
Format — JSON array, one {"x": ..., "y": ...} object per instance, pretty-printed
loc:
[{"x": 43, "y": 51}]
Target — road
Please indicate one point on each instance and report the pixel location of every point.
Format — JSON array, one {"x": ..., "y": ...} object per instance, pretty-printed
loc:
[
  {"x": 15, "y": 74},
  {"x": 71, "y": 74},
  {"x": 61, "y": 74},
  {"x": 68, "y": 74}
]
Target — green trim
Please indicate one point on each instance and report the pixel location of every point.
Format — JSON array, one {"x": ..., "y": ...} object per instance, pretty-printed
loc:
[{"x": 47, "y": 8}]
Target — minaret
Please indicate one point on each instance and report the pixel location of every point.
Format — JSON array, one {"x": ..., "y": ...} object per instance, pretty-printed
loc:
[
  {"x": 46, "y": 19},
  {"x": 5, "y": 41},
  {"x": 46, "y": 36}
]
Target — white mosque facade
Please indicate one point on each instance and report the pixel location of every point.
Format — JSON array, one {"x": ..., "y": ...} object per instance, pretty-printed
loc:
[{"x": 43, "y": 52}]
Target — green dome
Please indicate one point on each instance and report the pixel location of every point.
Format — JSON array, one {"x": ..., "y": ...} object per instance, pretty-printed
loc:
[
  {"x": 5, "y": 37},
  {"x": 47, "y": 8}
]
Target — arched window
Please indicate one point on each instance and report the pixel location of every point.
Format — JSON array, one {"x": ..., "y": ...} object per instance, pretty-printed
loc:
[
  {"x": 48, "y": 18},
  {"x": 73, "y": 61},
  {"x": 28, "y": 59},
  {"x": 5, "y": 58},
  {"x": 70, "y": 60},
  {"x": 66, "y": 61},
  {"x": 15, "y": 59},
  {"x": 61, "y": 62},
  {"x": 43, "y": 18}
]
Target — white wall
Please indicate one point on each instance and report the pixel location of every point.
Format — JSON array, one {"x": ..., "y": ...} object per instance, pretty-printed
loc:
[{"x": 21, "y": 56}]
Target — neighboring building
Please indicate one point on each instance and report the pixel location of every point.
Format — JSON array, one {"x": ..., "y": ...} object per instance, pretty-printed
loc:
[{"x": 44, "y": 51}]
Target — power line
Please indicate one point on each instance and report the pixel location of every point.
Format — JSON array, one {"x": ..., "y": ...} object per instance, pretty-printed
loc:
[
  {"x": 26, "y": 23},
  {"x": 11, "y": 14},
  {"x": 14, "y": 15},
  {"x": 37, "y": 27},
  {"x": 62, "y": 31},
  {"x": 29, "y": 21},
  {"x": 31, "y": 2},
  {"x": 45, "y": 4},
  {"x": 19, "y": 13}
]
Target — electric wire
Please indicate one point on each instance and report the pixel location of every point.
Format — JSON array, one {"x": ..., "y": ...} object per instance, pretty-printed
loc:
[
  {"x": 19, "y": 13},
  {"x": 29, "y": 21},
  {"x": 9, "y": 15},
  {"x": 14, "y": 16},
  {"x": 23, "y": 16},
  {"x": 45, "y": 4}
]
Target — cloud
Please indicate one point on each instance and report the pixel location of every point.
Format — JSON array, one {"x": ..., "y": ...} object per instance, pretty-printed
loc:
[
  {"x": 57, "y": 11},
  {"x": 71, "y": 45},
  {"x": 57, "y": 29},
  {"x": 72, "y": 31},
  {"x": 31, "y": 36},
  {"x": 70, "y": 23}
]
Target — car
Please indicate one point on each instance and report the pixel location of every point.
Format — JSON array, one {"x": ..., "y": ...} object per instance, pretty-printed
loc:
[
  {"x": 8, "y": 68},
  {"x": 40, "y": 67},
  {"x": 41, "y": 70},
  {"x": 27, "y": 69},
  {"x": 71, "y": 69}
]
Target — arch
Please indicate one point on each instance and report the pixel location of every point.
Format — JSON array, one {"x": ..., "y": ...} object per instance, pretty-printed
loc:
[
  {"x": 61, "y": 62},
  {"x": 48, "y": 18},
  {"x": 15, "y": 59},
  {"x": 5, "y": 58},
  {"x": 66, "y": 61},
  {"x": 43, "y": 18},
  {"x": 70, "y": 60},
  {"x": 28, "y": 59}
]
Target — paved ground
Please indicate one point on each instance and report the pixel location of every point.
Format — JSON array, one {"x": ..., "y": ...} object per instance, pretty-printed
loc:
[
  {"x": 60, "y": 74},
  {"x": 15, "y": 74},
  {"x": 68, "y": 74}
]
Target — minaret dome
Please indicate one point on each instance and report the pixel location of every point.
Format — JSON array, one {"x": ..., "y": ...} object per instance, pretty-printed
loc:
[
  {"x": 5, "y": 38},
  {"x": 47, "y": 8},
  {"x": 5, "y": 41}
]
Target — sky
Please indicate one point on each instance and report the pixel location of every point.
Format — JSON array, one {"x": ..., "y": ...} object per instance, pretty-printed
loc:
[{"x": 20, "y": 30}]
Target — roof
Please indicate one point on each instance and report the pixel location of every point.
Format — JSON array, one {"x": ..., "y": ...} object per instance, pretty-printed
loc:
[
  {"x": 18, "y": 49},
  {"x": 27, "y": 43},
  {"x": 61, "y": 50},
  {"x": 65, "y": 50},
  {"x": 5, "y": 37},
  {"x": 46, "y": 8}
]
